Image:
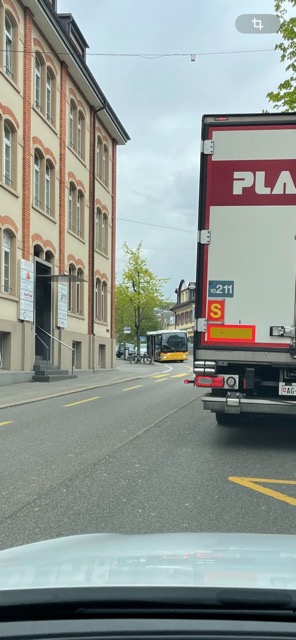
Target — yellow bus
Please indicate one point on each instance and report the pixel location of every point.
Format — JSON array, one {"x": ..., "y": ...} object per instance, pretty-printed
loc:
[{"x": 167, "y": 345}]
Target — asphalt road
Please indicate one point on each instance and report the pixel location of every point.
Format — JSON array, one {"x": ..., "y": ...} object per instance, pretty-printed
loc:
[{"x": 139, "y": 458}]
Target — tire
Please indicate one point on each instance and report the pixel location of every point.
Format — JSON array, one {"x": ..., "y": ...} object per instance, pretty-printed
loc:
[
  {"x": 225, "y": 419},
  {"x": 147, "y": 359},
  {"x": 133, "y": 358}
]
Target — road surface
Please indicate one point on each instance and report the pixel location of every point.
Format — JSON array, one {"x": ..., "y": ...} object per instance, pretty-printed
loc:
[{"x": 141, "y": 457}]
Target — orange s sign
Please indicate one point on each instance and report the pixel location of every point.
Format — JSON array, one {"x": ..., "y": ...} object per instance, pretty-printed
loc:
[{"x": 216, "y": 310}]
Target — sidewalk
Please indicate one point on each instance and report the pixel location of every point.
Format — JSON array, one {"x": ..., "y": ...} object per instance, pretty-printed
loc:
[{"x": 26, "y": 392}]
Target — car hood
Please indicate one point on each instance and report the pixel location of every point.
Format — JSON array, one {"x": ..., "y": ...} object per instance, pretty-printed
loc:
[{"x": 198, "y": 559}]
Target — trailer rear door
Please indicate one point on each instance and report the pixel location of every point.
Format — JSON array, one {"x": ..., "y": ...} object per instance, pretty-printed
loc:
[{"x": 249, "y": 266}]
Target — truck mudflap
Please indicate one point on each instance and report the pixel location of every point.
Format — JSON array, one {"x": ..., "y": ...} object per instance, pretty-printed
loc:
[{"x": 237, "y": 403}]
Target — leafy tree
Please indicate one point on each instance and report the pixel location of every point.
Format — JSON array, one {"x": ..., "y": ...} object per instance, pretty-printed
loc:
[
  {"x": 284, "y": 98},
  {"x": 137, "y": 295}
]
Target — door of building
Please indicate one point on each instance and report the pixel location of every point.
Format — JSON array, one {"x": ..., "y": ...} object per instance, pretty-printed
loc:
[{"x": 43, "y": 308}]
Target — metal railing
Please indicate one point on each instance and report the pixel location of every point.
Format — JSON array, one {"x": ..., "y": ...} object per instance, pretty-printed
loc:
[
  {"x": 60, "y": 341},
  {"x": 47, "y": 351}
]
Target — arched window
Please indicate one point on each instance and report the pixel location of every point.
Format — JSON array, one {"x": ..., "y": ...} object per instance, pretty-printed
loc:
[
  {"x": 99, "y": 157},
  {"x": 6, "y": 259},
  {"x": 105, "y": 234},
  {"x": 9, "y": 42},
  {"x": 9, "y": 154},
  {"x": 7, "y": 174},
  {"x": 98, "y": 299},
  {"x": 79, "y": 293},
  {"x": 72, "y": 197},
  {"x": 80, "y": 214},
  {"x": 37, "y": 179},
  {"x": 8, "y": 46},
  {"x": 80, "y": 134},
  {"x": 98, "y": 234},
  {"x": 104, "y": 302},
  {"x": 105, "y": 165},
  {"x": 38, "y": 82},
  {"x": 50, "y": 109},
  {"x": 73, "y": 125},
  {"x": 71, "y": 296},
  {"x": 49, "y": 188}
]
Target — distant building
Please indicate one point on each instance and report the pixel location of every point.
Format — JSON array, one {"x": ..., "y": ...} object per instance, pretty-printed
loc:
[
  {"x": 58, "y": 142},
  {"x": 165, "y": 318},
  {"x": 184, "y": 308}
]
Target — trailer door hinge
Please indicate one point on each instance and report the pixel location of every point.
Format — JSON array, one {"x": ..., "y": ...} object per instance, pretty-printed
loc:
[
  {"x": 204, "y": 236},
  {"x": 201, "y": 325},
  {"x": 207, "y": 147},
  {"x": 282, "y": 332}
]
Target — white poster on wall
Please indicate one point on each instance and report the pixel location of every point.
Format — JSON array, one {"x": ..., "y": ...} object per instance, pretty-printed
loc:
[
  {"x": 26, "y": 307},
  {"x": 62, "y": 305}
]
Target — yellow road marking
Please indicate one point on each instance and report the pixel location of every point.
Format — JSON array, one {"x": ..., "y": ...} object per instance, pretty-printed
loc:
[
  {"x": 161, "y": 380},
  {"x": 72, "y": 404},
  {"x": 253, "y": 483},
  {"x": 130, "y": 388},
  {"x": 180, "y": 375},
  {"x": 2, "y": 424},
  {"x": 160, "y": 375}
]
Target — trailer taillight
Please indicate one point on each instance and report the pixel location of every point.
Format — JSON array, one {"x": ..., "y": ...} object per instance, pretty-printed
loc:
[
  {"x": 209, "y": 381},
  {"x": 222, "y": 119}
]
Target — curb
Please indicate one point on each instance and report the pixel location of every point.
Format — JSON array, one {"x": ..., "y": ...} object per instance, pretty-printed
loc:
[{"x": 71, "y": 391}]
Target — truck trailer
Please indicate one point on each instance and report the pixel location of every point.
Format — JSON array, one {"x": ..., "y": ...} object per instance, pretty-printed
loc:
[{"x": 244, "y": 340}]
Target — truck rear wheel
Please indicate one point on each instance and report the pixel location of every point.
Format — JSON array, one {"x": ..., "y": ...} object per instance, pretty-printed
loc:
[{"x": 226, "y": 419}]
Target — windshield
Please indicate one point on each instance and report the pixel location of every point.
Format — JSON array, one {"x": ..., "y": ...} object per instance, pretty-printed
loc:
[
  {"x": 147, "y": 287},
  {"x": 174, "y": 342}
]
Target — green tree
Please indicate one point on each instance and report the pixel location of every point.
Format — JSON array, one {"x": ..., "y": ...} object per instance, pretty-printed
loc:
[
  {"x": 284, "y": 98},
  {"x": 137, "y": 295}
]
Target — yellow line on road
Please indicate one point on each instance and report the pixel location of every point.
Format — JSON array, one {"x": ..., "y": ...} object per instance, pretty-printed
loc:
[
  {"x": 253, "y": 483},
  {"x": 2, "y": 424},
  {"x": 160, "y": 375},
  {"x": 162, "y": 379},
  {"x": 180, "y": 375},
  {"x": 130, "y": 388},
  {"x": 72, "y": 404}
]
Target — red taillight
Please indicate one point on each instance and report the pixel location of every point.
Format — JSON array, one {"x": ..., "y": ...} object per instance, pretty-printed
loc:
[
  {"x": 209, "y": 381},
  {"x": 221, "y": 119}
]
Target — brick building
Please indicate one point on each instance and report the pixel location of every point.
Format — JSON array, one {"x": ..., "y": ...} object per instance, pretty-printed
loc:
[{"x": 58, "y": 141}]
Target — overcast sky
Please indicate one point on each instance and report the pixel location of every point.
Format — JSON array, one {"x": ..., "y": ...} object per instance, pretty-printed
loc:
[{"x": 160, "y": 102}]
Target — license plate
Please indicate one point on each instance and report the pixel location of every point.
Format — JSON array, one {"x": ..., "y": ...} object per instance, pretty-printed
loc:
[{"x": 287, "y": 389}]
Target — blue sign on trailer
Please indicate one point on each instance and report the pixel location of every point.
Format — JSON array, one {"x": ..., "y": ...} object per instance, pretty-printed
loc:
[{"x": 221, "y": 288}]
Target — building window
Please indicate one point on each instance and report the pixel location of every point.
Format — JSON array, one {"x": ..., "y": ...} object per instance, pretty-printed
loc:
[
  {"x": 105, "y": 165},
  {"x": 104, "y": 302},
  {"x": 80, "y": 135},
  {"x": 76, "y": 210},
  {"x": 98, "y": 299},
  {"x": 99, "y": 157},
  {"x": 38, "y": 83},
  {"x": 37, "y": 180},
  {"x": 71, "y": 296},
  {"x": 73, "y": 127},
  {"x": 98, "y": 229},
  {"x": 71, "y": 205},
  {"x": 48, "y": 188},
  {"x": 79, "y": 293},
  {"x": 6, "y": 262},
  {"x": 8, "y": 46},
  {"x": 105, "y": 234},
  {"x": 48, "y": 96},
  {"x": 78, "y": 214},
  {"x": 7, "y": 175}
]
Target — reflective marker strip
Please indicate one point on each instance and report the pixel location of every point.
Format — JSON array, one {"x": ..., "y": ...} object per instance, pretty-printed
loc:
[{"x": 231, "y": 332}]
